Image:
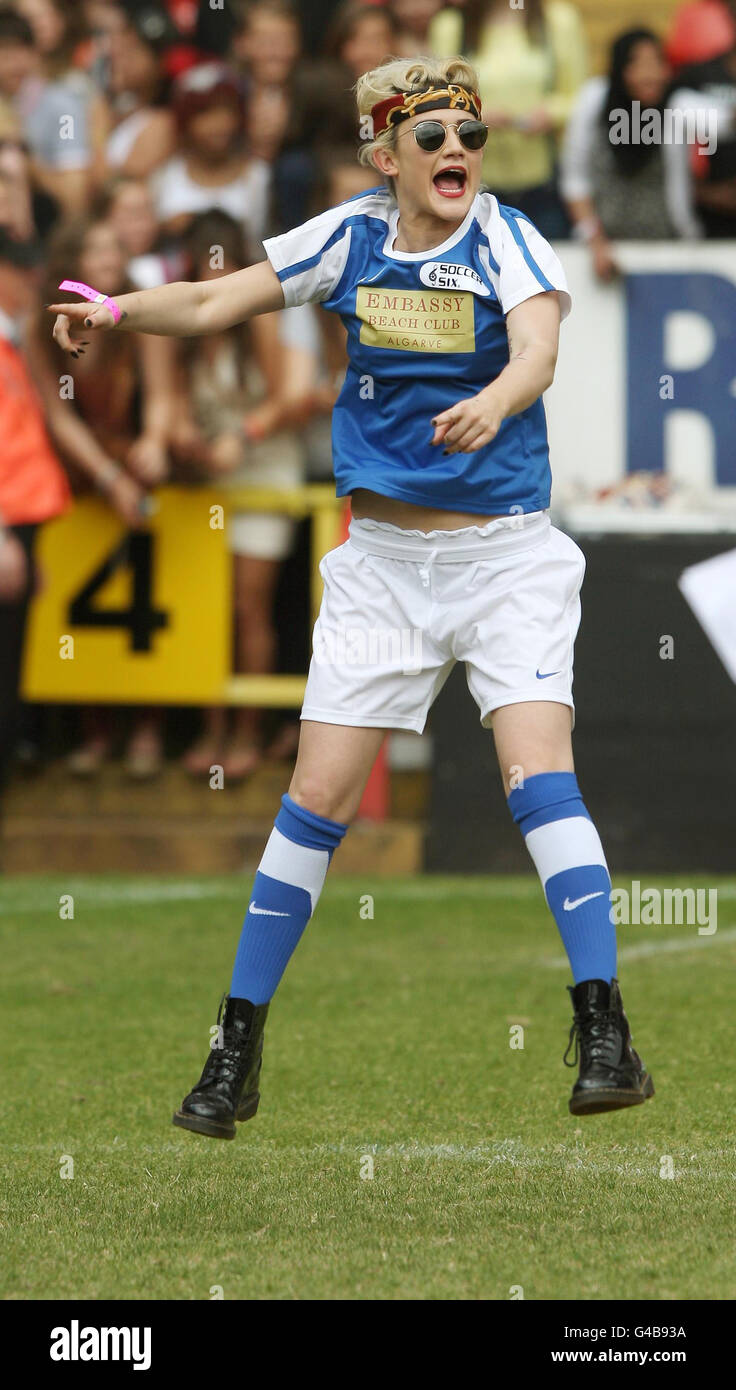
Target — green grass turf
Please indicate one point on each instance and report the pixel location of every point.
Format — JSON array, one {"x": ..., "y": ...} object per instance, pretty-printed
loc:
[{"x": 390, "y": 1038}]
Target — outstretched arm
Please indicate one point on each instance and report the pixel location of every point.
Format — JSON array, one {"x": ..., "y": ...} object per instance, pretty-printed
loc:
[{"x": 182, "y": 310}]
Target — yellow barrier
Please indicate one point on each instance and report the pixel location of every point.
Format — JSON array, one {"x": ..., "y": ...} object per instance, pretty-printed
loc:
[
  {"x": 146, "y": 616},
  {"x": 318, "y": 501}
]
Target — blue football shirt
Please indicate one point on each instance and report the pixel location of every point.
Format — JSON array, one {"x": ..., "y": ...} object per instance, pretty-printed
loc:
[{"x": 425, "y": 330}]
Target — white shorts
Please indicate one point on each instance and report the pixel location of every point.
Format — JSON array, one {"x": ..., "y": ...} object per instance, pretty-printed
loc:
[
  {"x": 277, "y": 463},
  {"x": 261, "y": 535},
  {"x": 400, "y": 608}
]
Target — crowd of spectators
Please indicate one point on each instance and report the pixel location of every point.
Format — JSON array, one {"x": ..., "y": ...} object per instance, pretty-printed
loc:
[{"x": 135, "y": 135}]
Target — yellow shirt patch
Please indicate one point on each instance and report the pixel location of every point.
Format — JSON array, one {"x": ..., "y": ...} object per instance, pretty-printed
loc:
[{"x": 416, "y": 321}]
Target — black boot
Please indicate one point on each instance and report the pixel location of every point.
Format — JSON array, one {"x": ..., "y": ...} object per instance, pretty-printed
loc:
[
  {"x": 611, "y": 1074},
  {"x": 227, "y": 1090}
]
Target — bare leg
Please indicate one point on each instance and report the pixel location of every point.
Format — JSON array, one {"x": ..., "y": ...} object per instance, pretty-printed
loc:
[
  {"x": 332, "y": 768},
  {"x": 255, "y": 649},
  {"x": 206, "y": 751},
  {"x": 88, "y": 757},
  {"x": 532, "y": 737},
  {"x": 144, "y": 753}
]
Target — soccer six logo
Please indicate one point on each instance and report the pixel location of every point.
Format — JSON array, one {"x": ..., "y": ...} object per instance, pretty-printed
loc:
[{"x": 442, "y": 276}]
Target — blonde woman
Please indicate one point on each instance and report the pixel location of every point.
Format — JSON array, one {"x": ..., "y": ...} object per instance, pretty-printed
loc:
[{"x": 452, "y": 305}]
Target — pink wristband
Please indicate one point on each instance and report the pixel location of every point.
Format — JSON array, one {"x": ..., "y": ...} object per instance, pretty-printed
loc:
[{"x": 86, "y": 291}]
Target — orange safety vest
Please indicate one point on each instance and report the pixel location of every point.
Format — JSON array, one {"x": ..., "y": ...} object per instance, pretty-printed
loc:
[{"x": 33, "y": 485}]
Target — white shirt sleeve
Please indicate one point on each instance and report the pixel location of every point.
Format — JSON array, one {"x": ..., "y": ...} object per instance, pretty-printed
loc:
[
  {"x": 578, "y": 140},
  {"x": 679, "y": 191},
  {"x": 310, "y": 260},
  {"x": 521, "y": 263},
  {"x": 709, "y": 117},
  {"x": 706, "y": 119}
]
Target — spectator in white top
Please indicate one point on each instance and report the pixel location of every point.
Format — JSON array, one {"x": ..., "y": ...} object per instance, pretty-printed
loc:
[
  {"x": 143, "y": 134},
  {"x": 214, "y": 168},
  {"x": 636, "y": 187}
]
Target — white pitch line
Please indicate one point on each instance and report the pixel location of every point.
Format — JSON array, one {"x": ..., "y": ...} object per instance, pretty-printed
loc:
[
  {"x": 449, "y": 889},
  {"x": 498, "y": 1151},
  {"x": 512, "y": 1153},
  {"x": 673, "y": 944},
  {"x": 669, "y": 946},
  {"x": 433, "y": 889},
  {"x": 192, "y": 890},
  {"x": 569, "y": 1163},
  {"x": 572, "y": 1158},
  {"x": 90, "y": 895}
]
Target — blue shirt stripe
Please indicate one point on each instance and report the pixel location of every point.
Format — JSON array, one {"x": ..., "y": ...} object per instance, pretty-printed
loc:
[
  {"x": 510, "y": 220},
  {"x": 301, "y": 266}
]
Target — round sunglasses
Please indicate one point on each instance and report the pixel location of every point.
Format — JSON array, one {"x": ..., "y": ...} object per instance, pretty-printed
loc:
[{"x": 431, "y": 135}]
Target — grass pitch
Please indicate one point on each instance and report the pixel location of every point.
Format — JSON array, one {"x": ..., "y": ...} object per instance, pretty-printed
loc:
[{"x": 387, "y": 1052}]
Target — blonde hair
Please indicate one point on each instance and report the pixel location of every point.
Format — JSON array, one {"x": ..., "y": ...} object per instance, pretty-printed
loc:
[{"x": 405, "y": 75}]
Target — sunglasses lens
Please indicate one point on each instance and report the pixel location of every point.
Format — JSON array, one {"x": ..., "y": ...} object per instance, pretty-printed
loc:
[
  {"x": 429, "y": 135},
  {"x": 473, "y": 134}
]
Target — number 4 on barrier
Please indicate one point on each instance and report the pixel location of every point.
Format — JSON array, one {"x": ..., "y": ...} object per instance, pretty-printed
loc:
[
  {"x": 150, "y": 611},
  {"x": 140, "y": 618}
]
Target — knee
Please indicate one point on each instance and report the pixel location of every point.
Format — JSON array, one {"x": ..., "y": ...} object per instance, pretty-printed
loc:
[{"x": 314, "y": 794}]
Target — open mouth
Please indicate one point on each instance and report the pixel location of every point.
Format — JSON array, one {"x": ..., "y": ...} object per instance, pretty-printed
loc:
[{"x": 451, "y": 182}]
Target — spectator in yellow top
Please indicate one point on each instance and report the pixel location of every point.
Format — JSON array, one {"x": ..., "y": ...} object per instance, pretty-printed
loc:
[{"x": 531, "y": 63}]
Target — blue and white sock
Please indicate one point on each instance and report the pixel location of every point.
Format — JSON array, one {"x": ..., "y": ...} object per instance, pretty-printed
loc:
[
  {"x": 287, "y": 884},
  {"x": 569, "y": 858}
]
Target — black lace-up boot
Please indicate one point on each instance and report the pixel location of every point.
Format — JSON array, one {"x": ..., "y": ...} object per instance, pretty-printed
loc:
[
  {"x": 227, "y": 1090},
  {"x": 611, "y": 1074}
]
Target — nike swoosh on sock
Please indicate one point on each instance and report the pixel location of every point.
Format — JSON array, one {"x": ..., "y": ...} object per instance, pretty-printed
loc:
[{"x": 569, "y": 907}]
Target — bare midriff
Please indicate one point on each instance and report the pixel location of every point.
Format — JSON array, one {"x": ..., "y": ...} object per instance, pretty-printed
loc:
[{"x": 374, "y": 507}]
